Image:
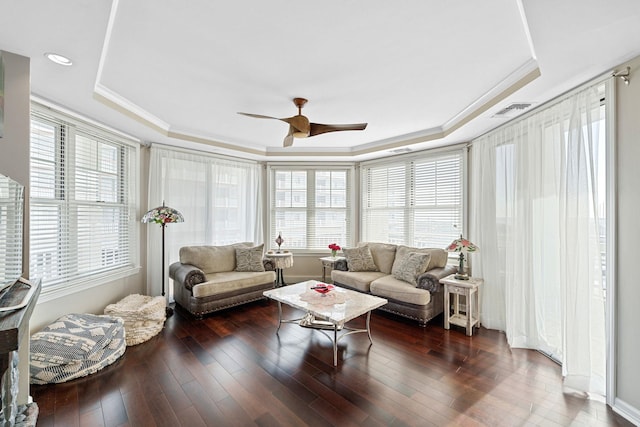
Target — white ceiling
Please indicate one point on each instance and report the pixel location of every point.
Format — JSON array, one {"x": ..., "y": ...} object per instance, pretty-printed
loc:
[{"x": 422, "y": 73}]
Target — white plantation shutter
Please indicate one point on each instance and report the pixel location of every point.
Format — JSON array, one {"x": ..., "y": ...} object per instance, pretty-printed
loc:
[
  {"x": 384, "y": 201},
  {"x": 416, "y": 200},
  {"x": 311, "y": 206},
  {"x": 82, "y": 200}
]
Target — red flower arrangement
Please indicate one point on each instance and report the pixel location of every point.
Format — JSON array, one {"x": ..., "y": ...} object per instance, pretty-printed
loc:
[{"x": 334, "y": 249}]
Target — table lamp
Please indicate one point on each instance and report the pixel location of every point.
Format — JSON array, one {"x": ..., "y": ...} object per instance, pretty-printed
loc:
[{"x": 463, "y": 246}]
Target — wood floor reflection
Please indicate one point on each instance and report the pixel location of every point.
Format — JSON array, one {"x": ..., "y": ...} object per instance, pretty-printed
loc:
[{"x": 231, "y": 369}]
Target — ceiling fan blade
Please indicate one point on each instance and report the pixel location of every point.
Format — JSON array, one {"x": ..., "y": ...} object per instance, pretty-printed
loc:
[
  {"x": 318, "y": 128},
  {"x": 288, "y": 140},
  {"x": 299, "y": 123},
  {"x": 259, "y": 116}
]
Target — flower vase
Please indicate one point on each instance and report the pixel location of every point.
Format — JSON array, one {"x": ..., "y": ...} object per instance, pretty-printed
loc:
[{"x": 333, "y": 253}]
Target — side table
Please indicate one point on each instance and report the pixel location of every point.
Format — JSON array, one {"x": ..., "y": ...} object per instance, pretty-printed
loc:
[
  {"x": 470, "y": 290},
  {"x": 281, "y": 260},
  {"x": 328, "y": 262}
]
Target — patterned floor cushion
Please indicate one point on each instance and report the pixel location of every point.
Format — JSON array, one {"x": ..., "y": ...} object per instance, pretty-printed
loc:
[
  {"x": 74, "y": 346},
  {"x": 143, "y": 316}
]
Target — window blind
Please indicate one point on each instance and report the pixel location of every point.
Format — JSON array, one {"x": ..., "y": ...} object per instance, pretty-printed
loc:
[
  {"x": 82, "y": 217},
  {"x": 311, "y": 206},
  {"x": 416, "y": 200}
]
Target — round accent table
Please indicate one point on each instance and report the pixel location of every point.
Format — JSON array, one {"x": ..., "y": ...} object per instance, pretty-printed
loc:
[{"x": 281, "y": 261}]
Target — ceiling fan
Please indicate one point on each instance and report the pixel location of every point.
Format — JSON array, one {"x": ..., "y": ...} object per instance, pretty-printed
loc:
[{"x": 300, "y": 127}]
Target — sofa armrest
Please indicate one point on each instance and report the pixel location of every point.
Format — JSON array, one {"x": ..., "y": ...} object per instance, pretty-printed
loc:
[
  {"x": 268, "y": 264},
  {"x": 186, "y": 274},
  {"x": 430, "y": 280},
  {"x": 341, "y": 265}
]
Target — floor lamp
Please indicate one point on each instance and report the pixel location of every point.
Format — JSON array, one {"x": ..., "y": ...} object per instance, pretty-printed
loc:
[{"x": 163, "y": 215}]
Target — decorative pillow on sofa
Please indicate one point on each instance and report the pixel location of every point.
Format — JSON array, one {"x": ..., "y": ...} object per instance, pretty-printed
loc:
[
  {"x": 249, "y": 259},
  {"x": 383, "y": 255},
  {"x": 359, "y": 259},
  {"x": 410, "y": 267},
  {"x": 438, "y": 255}
]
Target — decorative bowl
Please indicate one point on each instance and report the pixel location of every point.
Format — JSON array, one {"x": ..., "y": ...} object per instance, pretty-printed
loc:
[{"x": 323, "y": 288}]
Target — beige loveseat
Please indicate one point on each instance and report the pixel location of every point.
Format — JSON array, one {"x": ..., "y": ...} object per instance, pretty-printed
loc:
[
  {"x": 212, "y": 278},
  {"x": 409, "y": 278}
]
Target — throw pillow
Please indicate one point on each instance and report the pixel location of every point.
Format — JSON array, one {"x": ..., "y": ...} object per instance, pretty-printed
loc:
[
  {"x": 383, "y": 255},
  {"x": 410, "y": 267},
  {"x": 359, "y": 259},
  {"x": 249, "y": 259},
  {"x": 438, "y": 256}
]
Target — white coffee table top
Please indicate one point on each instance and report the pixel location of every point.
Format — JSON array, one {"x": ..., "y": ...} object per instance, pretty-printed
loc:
[{"x": 302, "y": 297}]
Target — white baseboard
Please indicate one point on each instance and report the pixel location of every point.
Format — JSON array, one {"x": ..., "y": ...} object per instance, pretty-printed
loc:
[{"x": 627, "y": 411}]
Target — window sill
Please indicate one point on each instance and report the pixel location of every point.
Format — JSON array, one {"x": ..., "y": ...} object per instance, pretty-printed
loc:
[{"x": 53, "y": 292}]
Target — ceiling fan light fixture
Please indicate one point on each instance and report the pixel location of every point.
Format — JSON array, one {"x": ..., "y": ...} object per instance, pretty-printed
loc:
[{"x": 300, "y": 134}]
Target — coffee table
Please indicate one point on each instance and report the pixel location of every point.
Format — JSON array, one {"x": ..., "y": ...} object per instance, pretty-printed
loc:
[{"x": 329, "y": 312}]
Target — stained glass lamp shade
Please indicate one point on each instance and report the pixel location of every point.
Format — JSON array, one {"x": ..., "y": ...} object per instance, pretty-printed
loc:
[
  {"x": 462, "y": 246},
  {"x": 163, "y": 215}
]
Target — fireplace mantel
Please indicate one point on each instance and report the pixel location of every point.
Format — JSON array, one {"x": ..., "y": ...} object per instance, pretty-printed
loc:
[{"x": 16, "y": 322}]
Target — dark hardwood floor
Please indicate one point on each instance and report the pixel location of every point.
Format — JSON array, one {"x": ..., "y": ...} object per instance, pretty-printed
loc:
[{"x": 231, "y": 369}]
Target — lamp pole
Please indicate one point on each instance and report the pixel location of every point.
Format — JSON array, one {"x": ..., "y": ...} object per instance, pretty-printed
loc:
[{"x": 169, "y": 310}]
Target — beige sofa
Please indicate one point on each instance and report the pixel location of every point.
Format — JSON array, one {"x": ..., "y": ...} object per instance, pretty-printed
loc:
[
  {"x": 409, "y": 278},
  {"x": 212, "y": 278}
]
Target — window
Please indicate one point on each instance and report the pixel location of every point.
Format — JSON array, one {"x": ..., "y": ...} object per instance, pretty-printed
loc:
[
  {"x": 311, "y": 206},
  {"x": 539, "y": 189},
  {"x": 82, "y": 201},
  {"x": 218, "y": 197},
  {"x": 415, "y": 201}
]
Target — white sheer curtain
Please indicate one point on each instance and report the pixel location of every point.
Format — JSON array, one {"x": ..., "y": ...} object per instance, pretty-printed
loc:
[
  {"x": 535, "y": 213},
  {"x": 220, "y": 200}
]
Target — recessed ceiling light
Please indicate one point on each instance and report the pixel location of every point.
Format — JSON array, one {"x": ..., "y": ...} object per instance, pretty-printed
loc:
[{"x": 58, "y": 59}]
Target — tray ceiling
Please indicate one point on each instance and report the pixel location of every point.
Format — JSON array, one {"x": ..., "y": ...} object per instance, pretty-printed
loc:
[{"x": 421, "y": 73}]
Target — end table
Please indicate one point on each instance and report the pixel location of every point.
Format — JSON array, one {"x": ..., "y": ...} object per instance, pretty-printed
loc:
[
  {"x": 328, "y": 262},
  {"x": 470, "y": 290}
]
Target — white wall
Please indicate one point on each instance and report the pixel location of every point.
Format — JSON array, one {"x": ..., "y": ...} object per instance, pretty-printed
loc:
[
  {"x": 627, "y": 302},
  {"x": 14, "y": 162},
  {"x": 14, "y": 146},
  {"x": 92, "y": 300}
]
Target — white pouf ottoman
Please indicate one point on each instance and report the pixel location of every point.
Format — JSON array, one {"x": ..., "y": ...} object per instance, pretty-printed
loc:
[
  {"x": 75, "y": 345},
  {"x": 143, "y": 316}
]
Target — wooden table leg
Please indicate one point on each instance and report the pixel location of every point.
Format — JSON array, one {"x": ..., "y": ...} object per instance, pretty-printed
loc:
[
  {"x": 467, "y": 295},
  {"x": 447, "y": 307}
]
